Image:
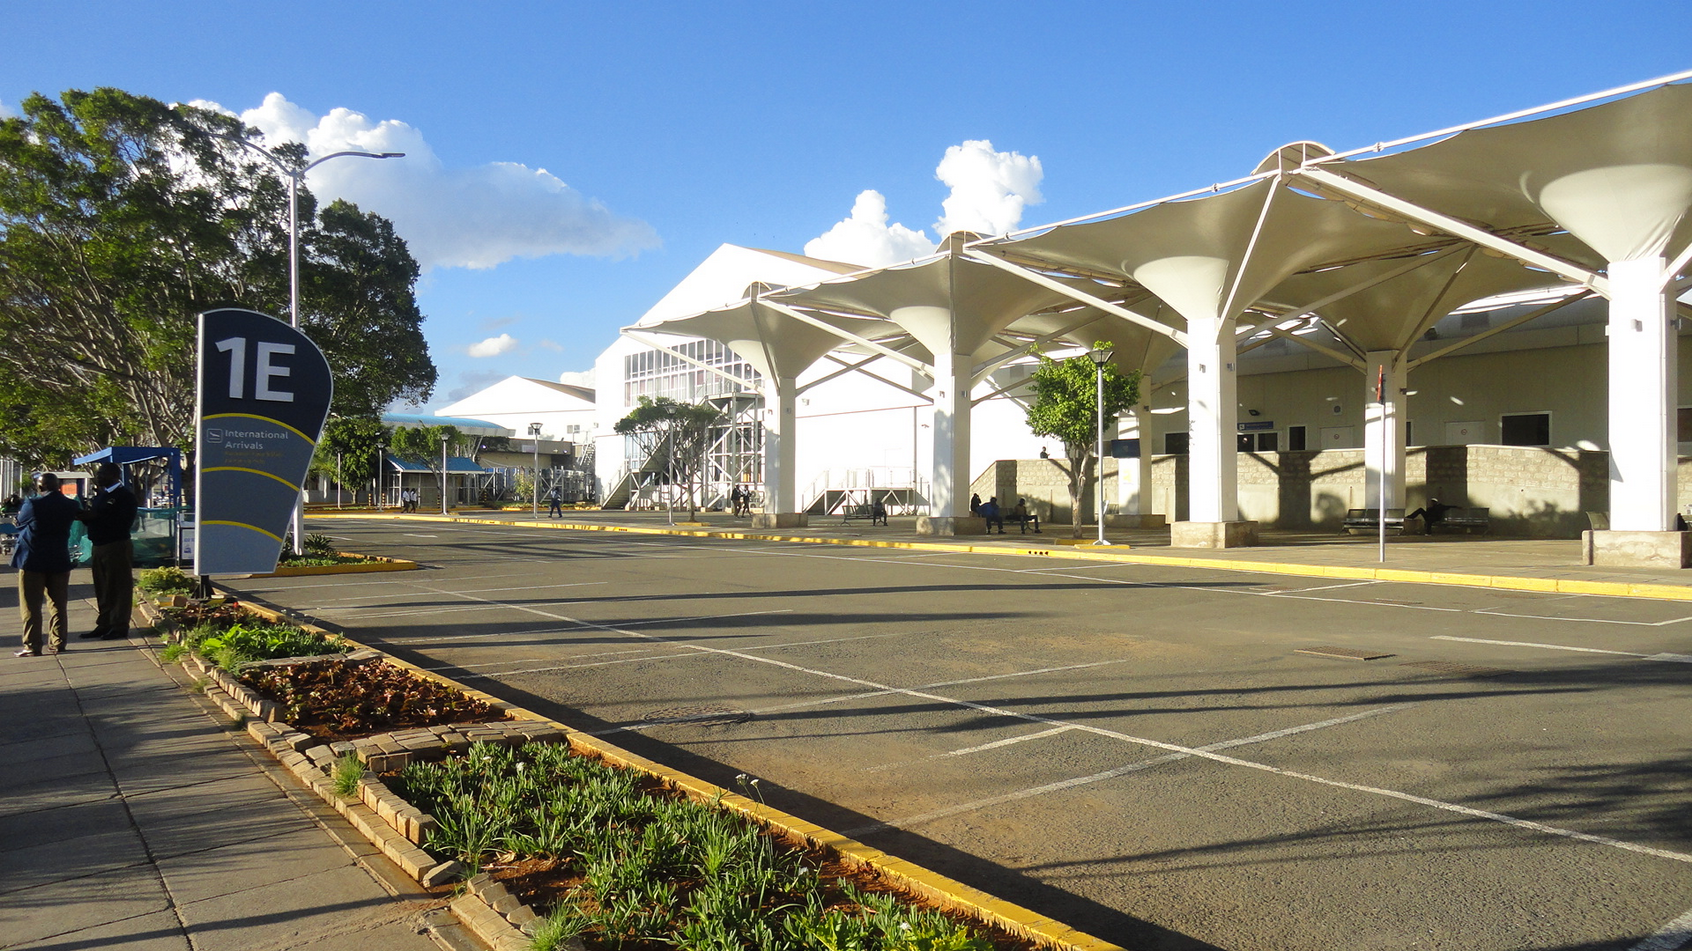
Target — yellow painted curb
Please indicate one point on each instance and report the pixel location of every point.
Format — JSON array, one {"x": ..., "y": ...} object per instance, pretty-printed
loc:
[
  {"x": 1088, "y": 552},
  {"x": 967, "y": 900},
  {"x": 377, "y": 563}
]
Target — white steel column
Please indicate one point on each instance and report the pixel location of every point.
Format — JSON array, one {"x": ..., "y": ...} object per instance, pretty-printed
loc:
[
  {"x": 1643, "y": 391},
  {"x": 1383, "y": 434},
  {"x": 1212, "y": 419},
  {"x": 780, "y": 448},
  {"x": 1134, "y": 496},
  {"x": 950, "y": 474}
]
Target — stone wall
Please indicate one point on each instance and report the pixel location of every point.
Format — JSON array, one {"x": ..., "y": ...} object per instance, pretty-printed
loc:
[{"x": 1044, "y": 483}]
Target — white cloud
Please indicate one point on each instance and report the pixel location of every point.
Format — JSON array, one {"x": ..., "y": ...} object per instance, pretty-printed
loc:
[
  {"x": 8, "y": 112},
  {"x": 474, "y": 218},
  {"x": 493, "y": 346},
  {"x": 989, "y": 188},
  {"x": 552, "y": 345},
  {"x": 865, "y": 238}
]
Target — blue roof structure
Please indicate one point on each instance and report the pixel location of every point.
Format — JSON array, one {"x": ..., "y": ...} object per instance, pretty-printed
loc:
[{"x": 456, "y": 465}]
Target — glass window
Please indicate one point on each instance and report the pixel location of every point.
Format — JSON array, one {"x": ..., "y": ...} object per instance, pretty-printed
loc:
[
  {"x": 1295, "y": 438},
  {"x": 1525, "y": 429}
]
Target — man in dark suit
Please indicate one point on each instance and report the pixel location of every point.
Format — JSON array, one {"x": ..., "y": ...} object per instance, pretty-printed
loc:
[
  {"x": 110, "y": 516},
  {"x": 43, "y": 560}
]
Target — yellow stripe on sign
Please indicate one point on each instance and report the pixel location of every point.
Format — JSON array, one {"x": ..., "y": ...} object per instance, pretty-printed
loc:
[
  {"x": 245, "y": 525},
  {"x": 266, "y": 419},
  {"x": 291, "y": 486}
]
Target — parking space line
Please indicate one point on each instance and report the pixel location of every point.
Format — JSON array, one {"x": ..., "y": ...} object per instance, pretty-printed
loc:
[
  {"x": 1673, "y": 936},
  {"x": 1064, "y": 784},
  {"x": 1502, "y": 818},
  {"x": 1582, "y": 620},
  {"x": 1552, "y": 647}
]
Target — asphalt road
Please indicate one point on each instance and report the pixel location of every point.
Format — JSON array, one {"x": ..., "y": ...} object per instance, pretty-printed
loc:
[{"x": 1149, "y": 754}]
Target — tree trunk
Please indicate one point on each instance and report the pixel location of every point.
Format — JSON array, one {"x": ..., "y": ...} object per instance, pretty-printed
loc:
[{"x": 1080, "y": 473}]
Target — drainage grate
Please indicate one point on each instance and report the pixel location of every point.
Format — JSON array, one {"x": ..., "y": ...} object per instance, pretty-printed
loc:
[
  {"x": 709, "y": 715},
  {"x": 1346, "y": 652},
  {"x": 1460, "y": 670}
]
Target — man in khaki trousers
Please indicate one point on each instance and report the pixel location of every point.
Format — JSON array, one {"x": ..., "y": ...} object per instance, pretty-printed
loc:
[
  {"x": 43, "y": 560},
  {"x": 110, "y": 516}
]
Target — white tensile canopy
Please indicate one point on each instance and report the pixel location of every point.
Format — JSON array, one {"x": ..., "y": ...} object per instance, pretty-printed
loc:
[{"x": 1368, "y": 248}]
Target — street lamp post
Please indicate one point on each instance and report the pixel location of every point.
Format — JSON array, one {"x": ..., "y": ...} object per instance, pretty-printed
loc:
[
  {"x": 1100, "y": 356},
  {"x": 534, "y": 434},
  {"x": 295, "y": 176},
  {"x": 379, "y": 449},
  {"x": 444, "y": 439}
]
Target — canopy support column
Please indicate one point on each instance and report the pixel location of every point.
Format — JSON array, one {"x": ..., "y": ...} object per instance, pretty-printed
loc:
[
  {"x": 1383, "y": 431},
  {"x": 1212, "y": 419},
  {"x": 1134, "y": 476},
  {"x": 949, "y": 476},
  {"x": 1643, "y": 390},
  {"x": 781, "y": 457}
]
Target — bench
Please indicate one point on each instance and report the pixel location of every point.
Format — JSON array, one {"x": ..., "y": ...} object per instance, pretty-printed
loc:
[
  {"x": 1369, "y": 520},
  {"x": 861, "y": 510},
  {"x": 1464, "y": 519}
]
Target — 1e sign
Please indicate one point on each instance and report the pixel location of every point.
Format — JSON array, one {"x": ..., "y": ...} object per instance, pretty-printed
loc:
[
  {"x": 268, "y": 370},
  {"x": 264, "y": 394}
]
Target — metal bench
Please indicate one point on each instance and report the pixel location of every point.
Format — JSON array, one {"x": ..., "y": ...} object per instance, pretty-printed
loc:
[
  {"x": 1464, "y": 519},
  {"x": 1369, "y": 520}
]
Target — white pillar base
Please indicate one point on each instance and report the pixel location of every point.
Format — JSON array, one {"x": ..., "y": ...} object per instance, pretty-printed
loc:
[
  {"x": 780, "y": 520},
  {"x": 1237, "y": 534},
  {"x": 1637, "y": 549},
  {"x": 951, "y": 525}
]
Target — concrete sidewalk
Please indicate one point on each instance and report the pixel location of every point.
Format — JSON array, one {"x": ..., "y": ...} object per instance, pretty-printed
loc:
[{"x": 129, "y": 818}]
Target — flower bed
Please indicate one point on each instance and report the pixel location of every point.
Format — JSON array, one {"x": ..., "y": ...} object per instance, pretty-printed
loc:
[
  {"x": 615, "y": 858},
  {"x": 340, "y": 700}
]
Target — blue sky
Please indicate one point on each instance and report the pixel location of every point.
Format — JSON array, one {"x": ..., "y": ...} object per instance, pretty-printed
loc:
[{"x": 570, "y": 162}]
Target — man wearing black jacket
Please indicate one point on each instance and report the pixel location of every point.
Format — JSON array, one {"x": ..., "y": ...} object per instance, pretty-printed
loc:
[
  {"x": 110, "y": 516},
  {"x": 42, "y": 558}
]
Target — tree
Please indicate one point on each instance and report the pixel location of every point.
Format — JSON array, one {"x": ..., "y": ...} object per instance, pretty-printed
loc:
[
  {"x": 121, "y": 218},
  {"x": 354, "y": 439},
  {"x": 675, "y": 434},
  {"x": 1065, "y": 407}
]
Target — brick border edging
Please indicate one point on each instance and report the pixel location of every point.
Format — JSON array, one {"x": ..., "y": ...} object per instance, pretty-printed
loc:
[{"x": 387, "y": 823}]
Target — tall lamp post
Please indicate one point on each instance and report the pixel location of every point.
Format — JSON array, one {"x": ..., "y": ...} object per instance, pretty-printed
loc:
[
  {"x": 444, "y": 439},
  {"x": 1100, "y": 356},
  {"x": 295, "y": 176},
  {"x": 379, "y": 449},
  {"x": 534, "y": 434}
]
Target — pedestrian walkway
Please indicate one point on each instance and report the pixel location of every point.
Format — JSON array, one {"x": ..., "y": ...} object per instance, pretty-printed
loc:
[{"x": 131, "y": 819}]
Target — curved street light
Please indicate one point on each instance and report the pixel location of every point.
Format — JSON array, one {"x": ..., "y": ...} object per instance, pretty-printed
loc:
[{"x": 295, "y": 176}]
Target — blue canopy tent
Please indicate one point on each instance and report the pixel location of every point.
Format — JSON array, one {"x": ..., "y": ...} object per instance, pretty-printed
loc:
[
  {"x": 157, "y": 529},
  {"x": 123, "y": 456}
]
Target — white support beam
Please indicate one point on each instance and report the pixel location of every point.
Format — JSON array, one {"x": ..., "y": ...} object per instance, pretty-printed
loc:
[
  {"x": 1508, "y": 325},
  {"x": 1643, "y": 387},
  {"x": 1034, "y": 277},
  {"x": 984, "y": 368},
  {"x": 848, "y": 367},
  {"x": 821, "y": 324},
  {"x": 1275, "y": 331},
  {"x": 1392, "y": 204}
]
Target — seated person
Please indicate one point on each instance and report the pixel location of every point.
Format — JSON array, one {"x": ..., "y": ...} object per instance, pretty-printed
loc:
[
  {"x": 878, "y": 513},
  {"x": 1021, "y": 516},
  {"x": 990, "y": 512},
  {"x": 1433, "y": 514}
]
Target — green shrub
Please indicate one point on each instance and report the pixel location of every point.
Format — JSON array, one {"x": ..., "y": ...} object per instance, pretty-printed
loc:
[
  {"x": 244, "y": 643},
  {"x": 349, "y": 769},
  {"x": 167, "y": 580}
]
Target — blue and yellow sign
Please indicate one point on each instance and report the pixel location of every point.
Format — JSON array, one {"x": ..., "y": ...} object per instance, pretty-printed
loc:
[{"x": 264, "y": 395}]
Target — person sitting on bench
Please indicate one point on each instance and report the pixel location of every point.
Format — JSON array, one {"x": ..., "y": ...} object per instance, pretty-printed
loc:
[
  {"x": 990, "y": 512},
  {"x": 1021, "y": 516},
  {"x": 878, "y": 513},
  {"x": 1433, "y": 514}
]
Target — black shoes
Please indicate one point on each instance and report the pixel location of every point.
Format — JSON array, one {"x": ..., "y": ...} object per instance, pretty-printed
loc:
[
  {"x": 98, "y": 633},
  {"x": 114, "y": 635}
]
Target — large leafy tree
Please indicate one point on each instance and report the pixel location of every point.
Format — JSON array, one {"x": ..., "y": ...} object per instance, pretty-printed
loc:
[
  {"x": 121, "y": 218},
  {"x": 676, "y": 435},
  {"x": 1065, "y": 407}
]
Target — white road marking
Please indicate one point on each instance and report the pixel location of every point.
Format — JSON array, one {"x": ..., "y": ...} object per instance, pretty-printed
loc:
[
  {"x": 1452, "y": 807},
  {"x": 1673, "y": 936},
  {"x": 1061, "y": 785},
  {"x": 415, "y": 535},
  {"x": 996, "y": 744},
  {"x": 1550, "y": 647},
  {"x": 1581, "y": 620}
]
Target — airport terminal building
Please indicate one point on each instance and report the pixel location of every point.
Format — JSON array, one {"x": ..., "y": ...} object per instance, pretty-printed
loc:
[{"x": 1491, "y": 315}]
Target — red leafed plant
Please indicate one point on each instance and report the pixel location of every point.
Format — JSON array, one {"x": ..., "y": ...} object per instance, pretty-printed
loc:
[{"x": 334, "y": 700}]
